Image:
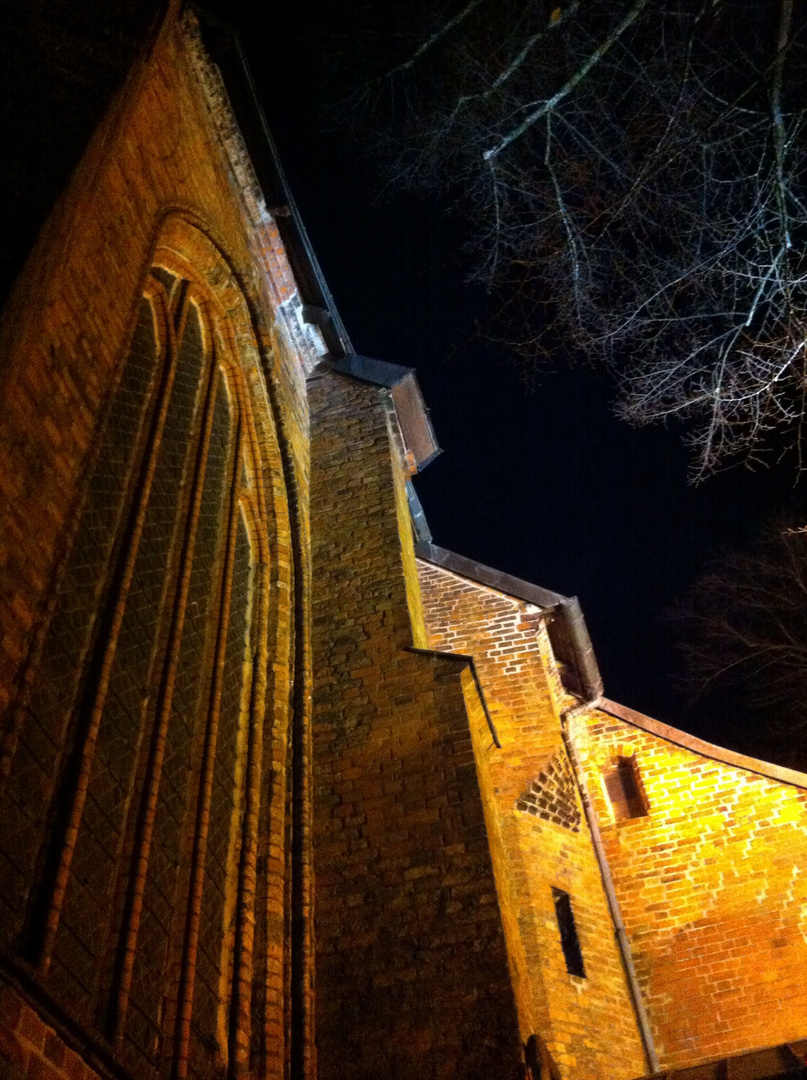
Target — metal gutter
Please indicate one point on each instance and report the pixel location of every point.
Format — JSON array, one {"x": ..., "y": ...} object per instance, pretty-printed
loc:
[
  {"x": 469, "y": 660},
  {"x": 567, "y": 628},
  {"x": 419, "y": 523},
  {"x": 588, "y": 671},
  {"x": 623, "y": 944}
]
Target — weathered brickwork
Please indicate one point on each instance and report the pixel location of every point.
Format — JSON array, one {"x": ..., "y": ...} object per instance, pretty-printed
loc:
[
  {"x": 552, "y": 794},
  {"x": 412, "y": 974},
  {"x": 580, "y": 1019},
  {"x": 713, "y": 891},
  {"x": 153, "y": 632},
  {"x": 68, "y": 326},
  {"x": 32, "y": 1048}
]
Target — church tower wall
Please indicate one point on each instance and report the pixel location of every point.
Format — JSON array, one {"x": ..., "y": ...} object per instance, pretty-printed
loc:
[{"x": 412, "y": 970}]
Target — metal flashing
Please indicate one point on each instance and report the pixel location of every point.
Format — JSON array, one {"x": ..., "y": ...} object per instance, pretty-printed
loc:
[
  {"x": 413, "y": 416},
  {"x": 224, "y": 47},
  {"x": 469, "y": 660},
  {"x": 419, "y": 523},
  {"x": 487, "y": 575},
  {"x": 379, "y": 372},
  {"x": 567, "y": 628},
  {"x": 700, "y": 746}
]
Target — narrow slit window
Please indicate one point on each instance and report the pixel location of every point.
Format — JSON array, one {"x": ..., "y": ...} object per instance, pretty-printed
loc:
[
  {"x": 624, "y": 790},
  {"x": 569, "y": 941}
]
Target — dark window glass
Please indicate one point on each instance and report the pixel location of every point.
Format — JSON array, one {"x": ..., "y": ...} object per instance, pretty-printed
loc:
[{"x": 569, "y": 941}]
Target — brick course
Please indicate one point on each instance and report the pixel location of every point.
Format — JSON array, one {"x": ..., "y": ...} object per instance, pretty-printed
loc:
[
  {"x": 579, "y": 1019},
  {"x": 412, "y": 972},
  {"x": 713, "y": 891}
]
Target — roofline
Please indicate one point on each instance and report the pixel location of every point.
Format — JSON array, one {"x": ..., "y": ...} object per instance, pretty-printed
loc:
[
  {"x": 367, "y": 369},
  {"x": 700, "y": 746},
  {"x": 487, "y": 575},
  {"x": 223, "y": 44},
  {"x": 565, "y": 608},
  {"x": 225, "y": 49}
]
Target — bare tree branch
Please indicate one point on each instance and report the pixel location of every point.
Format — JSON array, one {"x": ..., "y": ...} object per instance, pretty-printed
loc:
[
  {"x": 744, "y": 625},
  {"x": 645, "y": 165},
  {"x": 551, "y": 103}
]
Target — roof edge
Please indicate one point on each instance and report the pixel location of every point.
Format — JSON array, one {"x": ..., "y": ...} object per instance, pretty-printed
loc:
[
  {"x": 486, "y": 575},
  {"x": 225, "y": 48},
  {"x": 700, "y": 746},
  {"x": 572, "y": 646},
  {"x": 367, "y": 369}
]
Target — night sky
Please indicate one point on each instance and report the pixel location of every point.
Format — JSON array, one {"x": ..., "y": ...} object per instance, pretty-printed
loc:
[{"x": 545, "y": 483}]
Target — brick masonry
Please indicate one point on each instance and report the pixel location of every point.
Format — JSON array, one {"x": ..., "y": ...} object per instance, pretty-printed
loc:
[
  {"x": 412, "y": 970},
  {"x": 710, "y": 880},
  {"x": 30, "y": 1047},
  {"x": 66, "y": 331},
  {"x": 434, "y": 802},
  {"x": 580, "y": 1019},
  {"x": 162, "y": 182},
  {"x": 713, "y": 890}
]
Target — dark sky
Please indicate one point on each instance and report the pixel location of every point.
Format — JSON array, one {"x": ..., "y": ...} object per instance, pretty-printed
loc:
[{"x": 546, "y": 485}]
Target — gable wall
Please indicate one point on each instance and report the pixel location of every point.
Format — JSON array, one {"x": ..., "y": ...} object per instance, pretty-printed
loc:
[
  {"x": 538, "y": 830},
  {"x": 713, "y": 890}
]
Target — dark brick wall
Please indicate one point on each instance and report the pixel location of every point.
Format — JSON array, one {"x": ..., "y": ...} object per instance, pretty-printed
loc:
[
  {"x": 412, "y": 972},
  {"x": 105, "y": 824}
]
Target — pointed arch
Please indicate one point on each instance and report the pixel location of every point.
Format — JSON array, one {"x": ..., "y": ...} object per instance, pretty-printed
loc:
[{"x": 162, "y": 688}]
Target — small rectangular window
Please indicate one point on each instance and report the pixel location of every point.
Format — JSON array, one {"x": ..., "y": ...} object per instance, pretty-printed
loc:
[
  {"x": 624, "y": 792},
  {"x": 569, "y": 941}
]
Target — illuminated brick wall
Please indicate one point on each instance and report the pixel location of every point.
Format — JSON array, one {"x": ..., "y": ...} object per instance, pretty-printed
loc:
[
  {"x": 153, "y": 631},
  {"x": 538, "y": 835},
  {"x": 707, "y": 852},
  {"x": 67, "y": 328},
  {"x": 712, "y": 886},
  {"x": 459, "y": 906},
  {"x": 412, "y": 973}
]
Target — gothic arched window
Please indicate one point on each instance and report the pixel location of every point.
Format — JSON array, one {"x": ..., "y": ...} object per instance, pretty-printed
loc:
[{"x": 135, "y": 786}]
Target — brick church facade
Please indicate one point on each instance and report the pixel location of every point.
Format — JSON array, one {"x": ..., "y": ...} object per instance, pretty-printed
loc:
[{"x": 285, "y": 789}]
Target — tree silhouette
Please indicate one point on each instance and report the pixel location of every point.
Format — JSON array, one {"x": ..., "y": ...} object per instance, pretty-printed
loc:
[
  {"x": 642, "y": 166},
  {"x": 744, "y": 628}
]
